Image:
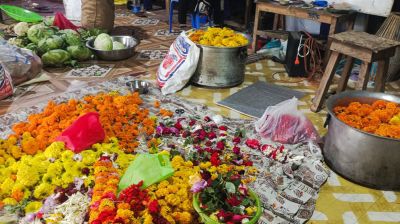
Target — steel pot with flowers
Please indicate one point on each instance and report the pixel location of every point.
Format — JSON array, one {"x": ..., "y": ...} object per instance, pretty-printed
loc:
[{"x": 225, "y": 199}]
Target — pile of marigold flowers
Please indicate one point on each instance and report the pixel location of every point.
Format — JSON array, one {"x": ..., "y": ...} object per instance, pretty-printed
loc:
[
  {"x": 381, "y": 117},
  {"x": 218, "y": 37}
]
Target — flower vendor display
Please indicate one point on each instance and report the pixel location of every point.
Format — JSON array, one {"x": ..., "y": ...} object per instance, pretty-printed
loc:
[
  {"x": 42, "y": 180},
  {"x": 218, "y": 37},
  {"x": 381, "y": 117}
]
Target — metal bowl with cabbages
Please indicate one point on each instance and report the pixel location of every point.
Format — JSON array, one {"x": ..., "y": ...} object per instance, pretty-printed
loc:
[{"x": 116, "y": 55}]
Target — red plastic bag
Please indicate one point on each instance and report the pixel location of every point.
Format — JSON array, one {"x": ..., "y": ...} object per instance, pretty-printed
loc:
[
  {"x": 83, "y": 133},
  {"x": 284, "y": 123},
  {"x": 63, "y": 23}
]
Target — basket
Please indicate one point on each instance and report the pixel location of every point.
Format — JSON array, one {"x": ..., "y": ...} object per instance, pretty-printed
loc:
[{"x": 207, "y": 220}]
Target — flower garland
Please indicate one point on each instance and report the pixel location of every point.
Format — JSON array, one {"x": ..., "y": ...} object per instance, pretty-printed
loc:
[
  {"x": 36, "y": 177},
  {"x": 120, "y": 115}
]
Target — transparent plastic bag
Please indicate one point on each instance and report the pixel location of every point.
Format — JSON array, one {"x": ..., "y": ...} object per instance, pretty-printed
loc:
[
  {"x": 21, "y": 64},
  {"x": 284, "y": 123}
]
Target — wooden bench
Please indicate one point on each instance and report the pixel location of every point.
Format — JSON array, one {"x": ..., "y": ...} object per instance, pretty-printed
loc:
[{"x": 366, "y": 47}]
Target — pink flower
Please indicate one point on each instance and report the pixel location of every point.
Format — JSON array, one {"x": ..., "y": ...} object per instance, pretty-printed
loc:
[
  {"x": 192, "y": 122},
  {"x": 208, "y": 143},
  {"x": 223, "y": 128},
  {"x": 202, "y": 134},
  {"x": 236, "y": 150},
  {"x": 234, "y": 201},
  {"x": 207, "y": 119},
  {"x": 238, "y": 218},
  {"x": 178, "y": 125},
  {"x": 220, "y": 145},
  {"x": 198, "y": 186},
  {"x": 185, "y": 134},
  {"x": 243, "y": 189},
  {"x": 248, "y": 163},
  {"x": 211, "y": 135},
  {"x": 224, "y": 216},
  {"x": 253, "y": 143},
  {"x": 236, "y": 140},
  {"x": 154, "y": 207}
]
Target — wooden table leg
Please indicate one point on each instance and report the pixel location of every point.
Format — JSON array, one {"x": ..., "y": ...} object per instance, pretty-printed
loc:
[
  {"x": 276, "y": 22},
  {"x": 326, "y": 80},
  {"x": 344, "y": 78},
  {"x": 363, "y": 76},
  {"x": 381, "y": 74},
  {"x": 167, "y": 4},
  {"x": 256, "y": 19},
  {"x": 332, "y": 30}
]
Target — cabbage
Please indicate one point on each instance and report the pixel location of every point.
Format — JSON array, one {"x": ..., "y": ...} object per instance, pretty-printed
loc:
[
  {"x": 71, "y": 37},
  {"x": 118, "y": 46},
  {"x": 33, "y": 47},
  {"x": 21, "y": 28},
  {"x": 103, "y": 42},
  {"x": 53, "y": 42},
  {"x": 56, "y": 58},
  {"x": 38, "y": 32},
  {"x": 79, "y": 52}
]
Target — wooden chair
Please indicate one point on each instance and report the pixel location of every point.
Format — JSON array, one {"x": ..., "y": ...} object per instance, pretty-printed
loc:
[{"x": 366, "y": 47}]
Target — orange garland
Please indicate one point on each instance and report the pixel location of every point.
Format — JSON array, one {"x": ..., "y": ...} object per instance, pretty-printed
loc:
[
  {"x": 120, "y": 116},
  {"x": 375, "y": 118}
]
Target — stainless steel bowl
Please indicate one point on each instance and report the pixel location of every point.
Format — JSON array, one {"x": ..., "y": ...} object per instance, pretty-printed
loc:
[
  {"x": 138, "y": 86},
  {"x": 115, "y": 55},
  {"x": 360, "y": 156}
]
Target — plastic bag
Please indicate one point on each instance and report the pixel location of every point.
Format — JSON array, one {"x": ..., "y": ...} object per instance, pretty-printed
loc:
[
  {"x": 284, "y": 123},
  {"x": 63, "y": 23},
  {"x": 83, "y": 133},
  {"x": 21, "y": 64},
  {"x": 151, "y": 168},
  {"x": 179, "y": 65},
  {"x": 6, "y": 86}
]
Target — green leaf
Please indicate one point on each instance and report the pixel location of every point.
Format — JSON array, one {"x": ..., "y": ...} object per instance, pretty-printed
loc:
[{"x": 230, "y": 187}]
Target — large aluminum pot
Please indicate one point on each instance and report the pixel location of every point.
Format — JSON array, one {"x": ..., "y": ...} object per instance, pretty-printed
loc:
[
  {"x": 362, "y": 157},
  {"x": 220, "y": 67}
]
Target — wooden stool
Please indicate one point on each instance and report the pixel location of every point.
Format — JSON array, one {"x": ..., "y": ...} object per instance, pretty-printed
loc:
[{"x": 366, "y": 47}]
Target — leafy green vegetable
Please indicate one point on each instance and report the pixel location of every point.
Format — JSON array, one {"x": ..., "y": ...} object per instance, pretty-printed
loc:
[
  {"x": 38, "y": 32},
  {"x": 33, "y": 47},
  {"x": 88, "y": 34},
  {"x": 103, "y": 42},
  {"x": 56, "y": 58},
  {"x": 18, "y": 41},
  {"x": 118, "y": 46},
  {"x": 53, "y": 42},
  {"x": 79, "y": 52},
  {"x": 21, "y": 28},
  {"x": 71, "y": 37}
]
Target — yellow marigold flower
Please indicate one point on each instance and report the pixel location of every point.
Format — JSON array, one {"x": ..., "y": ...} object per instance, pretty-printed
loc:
[
  {"x": 161, "y": 192},
  {"x": 106, "y": 204},
  {"x": 251, "y": 210},
  {"x": 54, "y": 150},
  {"x": 177, "y": 161},
  {"x": 182, "y": 217},
  {"x": 27, "y": 175},
  {"x": 16, "y": 152},
  {"x": 213, "y": 169},
  {"x": 186, "y": 205},
  {"x": 163, "y": 184},
  {"x": 165, "y": 210},
  {"x": 172, "y": 189},
  {"x": 147, "y": 219},
  {"x": 205, "y": 165},
  {"x": 10, "y": 201},
  {"x": 33, "y": 207},
  {"x": 214, "y": 176},
  {"x": 172, "y": 199},
  {"x": 169, "y": 218},
  {"x": 43, "y": 190},
  {"x": 7, "y": 186},
  {"x": 125, "y": 214},
  {"x": 67, "y": 155}
]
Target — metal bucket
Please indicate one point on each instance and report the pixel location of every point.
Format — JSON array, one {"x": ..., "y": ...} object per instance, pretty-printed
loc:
[
  {"x": 220, "y": 67},
  {"x": 359, "y": 156}
]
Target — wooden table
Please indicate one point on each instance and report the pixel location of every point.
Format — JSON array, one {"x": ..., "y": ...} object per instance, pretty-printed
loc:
[{"x": 321, "y": 16}]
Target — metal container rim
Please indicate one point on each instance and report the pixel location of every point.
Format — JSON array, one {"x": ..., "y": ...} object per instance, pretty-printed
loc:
[{"x": 357, "y": 93}]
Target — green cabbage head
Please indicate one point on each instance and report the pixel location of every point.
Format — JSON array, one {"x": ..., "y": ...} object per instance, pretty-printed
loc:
[
  {"x": 21, "y": 28},
  {"x": 118, "y": 45},
  {"x": 79, "y": 52},
  {"x": 50, "y": 43},
  {"x": 103, "y": 42},
  {"x": 71, "y": 37},
  {"x": 38, "y": 32},
  {"x": 56, "y": 58},
  {"x": 33, "y": 47}
]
